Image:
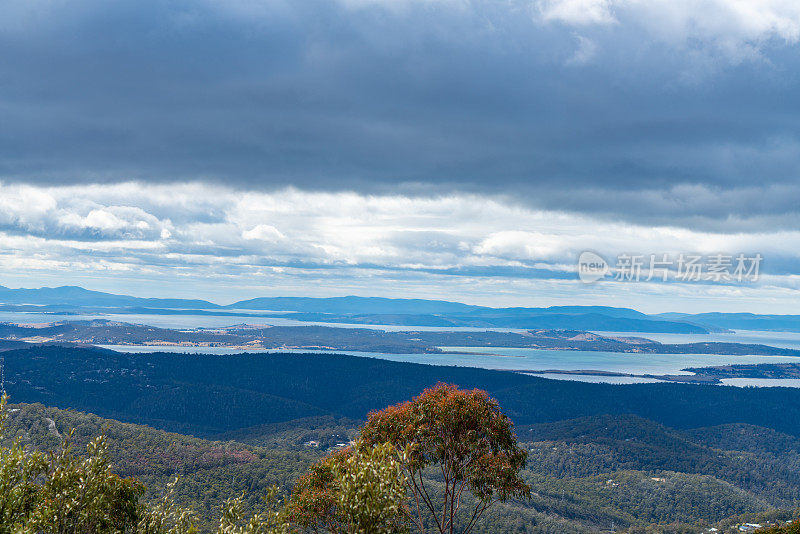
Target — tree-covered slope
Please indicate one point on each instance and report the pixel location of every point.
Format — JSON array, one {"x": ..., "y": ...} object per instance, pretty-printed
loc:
[
  {"x": 585, "y": 473},
  {"x": 209, "y": 471},
  {"x": 209, "y": 394}
]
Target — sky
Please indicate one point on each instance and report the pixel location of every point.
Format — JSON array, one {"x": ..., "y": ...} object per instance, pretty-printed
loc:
[{"x": 455, "y": 149}]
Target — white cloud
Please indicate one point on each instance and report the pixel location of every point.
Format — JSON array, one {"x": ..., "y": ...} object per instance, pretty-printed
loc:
[
  {"x": 732, "y": 28},
  {"x": 337, "y": 240},
  {"x": 25, "y": 206},
  {"x": 264, "y": 232},
  {"x": 397, "y": 5},
  {"x": 577, "y": 12},
  {"x": 585, "y": 51},
  {"x": 516, "y": 244}
]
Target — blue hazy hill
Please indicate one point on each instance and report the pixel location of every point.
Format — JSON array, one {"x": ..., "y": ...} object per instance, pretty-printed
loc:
[
  {"x": 79, "y": 297},
  {"x": 358, "y": 310}
]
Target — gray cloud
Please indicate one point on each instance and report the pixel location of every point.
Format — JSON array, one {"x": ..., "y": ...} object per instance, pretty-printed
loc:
[
  {"x": 147, "y": 239},
  {"x": 687, "y": 116},
  {"x": 153, "y": 225}
]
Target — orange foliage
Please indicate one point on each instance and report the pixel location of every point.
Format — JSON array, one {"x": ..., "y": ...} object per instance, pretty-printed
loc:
[{"x": 463, "y": 433}]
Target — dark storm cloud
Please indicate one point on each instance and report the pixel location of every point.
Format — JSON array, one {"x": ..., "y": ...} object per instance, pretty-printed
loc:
[{"x": 614, "y": 118}]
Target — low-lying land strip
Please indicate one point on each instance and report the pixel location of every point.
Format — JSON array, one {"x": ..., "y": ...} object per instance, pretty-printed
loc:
[{"x": 104, "y": 332}]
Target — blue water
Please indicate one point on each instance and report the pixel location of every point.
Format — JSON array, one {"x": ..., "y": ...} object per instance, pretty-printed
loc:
[
  {"x": 183, "y": 322},
  {"x": 538, "y": 360},
  {"x": 499, "y": 358},
  {"x": 762, "y": 382},
  {"x": 597, "y": 379},
  {"x": 787, "y": 340},
  {"x": 566, "y": 360},
  {"x": 777, "y": 339},
  {"x": 519, "y": 359}
]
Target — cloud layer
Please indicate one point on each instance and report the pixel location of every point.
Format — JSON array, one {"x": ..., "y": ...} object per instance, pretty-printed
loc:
[
  {"x": 460, "y": 149},
  {"x": 656, "y": 111},
  {"x": 195, "y": 236}
]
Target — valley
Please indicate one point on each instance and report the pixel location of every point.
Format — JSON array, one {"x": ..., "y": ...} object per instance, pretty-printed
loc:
[{"x": 674, "y": 467}]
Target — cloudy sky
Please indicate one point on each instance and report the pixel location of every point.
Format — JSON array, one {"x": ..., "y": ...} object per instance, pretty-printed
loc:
[{"x": 460, "y": 149}]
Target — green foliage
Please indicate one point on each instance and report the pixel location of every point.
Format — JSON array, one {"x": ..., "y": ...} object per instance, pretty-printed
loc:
[
  {"x": 19, "y": 473},
  {"x": 707, "y": 473},
  {"x": 371, "y": 489},
  {"x": 83, "y": 495},
  {"x": 61, "y": 493},
  {"x": 210, "y": 471},
  {"x": 64, "y": 494},
  {"x": 358, "y": 490},
  {"x": 165, "y": 517},
  {"x": 792, "y": 528},
  {"x": 467, "y": 437},
  {"x": 234, "y": 521},
  {"x": 308, "y": 434}
]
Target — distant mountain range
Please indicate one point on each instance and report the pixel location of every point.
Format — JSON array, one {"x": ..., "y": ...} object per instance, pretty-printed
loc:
[
  {"x": 74, "y": 296},
  {"x": 739, "y": 321},
  {"x": 355, "y": 305},
  {"x": 403, "y": 312}
]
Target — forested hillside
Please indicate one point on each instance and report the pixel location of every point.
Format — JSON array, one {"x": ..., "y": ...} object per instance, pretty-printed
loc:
[
  {"x": 206, "y": 395},
  {"x": 634, "y": 456},
  {"x": 209, "y": 471},
  {"x": 586, "y": 474}
]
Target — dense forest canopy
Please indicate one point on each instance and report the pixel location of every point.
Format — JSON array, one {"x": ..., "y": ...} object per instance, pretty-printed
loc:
[{"x": 205, "y": 395}]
